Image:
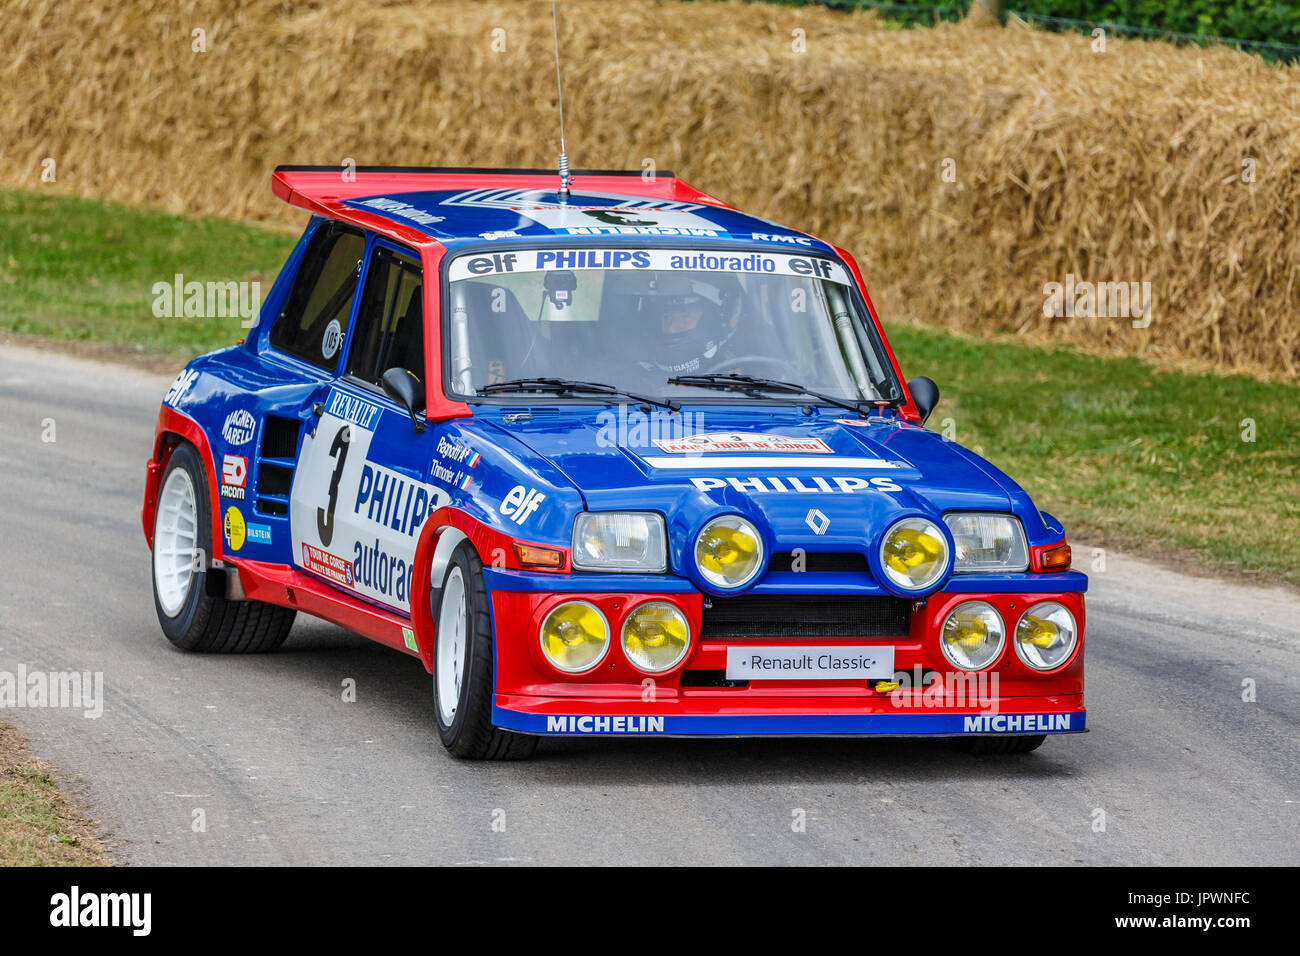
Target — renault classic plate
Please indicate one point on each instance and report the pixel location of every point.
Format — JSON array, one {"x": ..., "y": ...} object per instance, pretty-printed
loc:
[{"x": 811, "y": 662}]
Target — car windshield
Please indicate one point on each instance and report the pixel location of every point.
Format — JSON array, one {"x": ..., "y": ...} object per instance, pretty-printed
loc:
[{"x": 635, "y": 318}]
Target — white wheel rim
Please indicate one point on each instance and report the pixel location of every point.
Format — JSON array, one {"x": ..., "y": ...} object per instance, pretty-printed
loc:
[
  {"x": 175, "y": 541},
  {"x": 452, "y": 642}
]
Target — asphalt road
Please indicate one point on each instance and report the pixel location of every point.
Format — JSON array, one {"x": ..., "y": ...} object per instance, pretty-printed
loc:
[{"x": 1178, "y": 766}]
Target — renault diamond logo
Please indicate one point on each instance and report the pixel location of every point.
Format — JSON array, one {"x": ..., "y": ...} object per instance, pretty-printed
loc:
[{"x": 817, "y": 521}]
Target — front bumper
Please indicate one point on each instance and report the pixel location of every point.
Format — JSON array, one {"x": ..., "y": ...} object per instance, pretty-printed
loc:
[
  {"x": 783, "y": 717},
  {"x": 617, "y": 700}
]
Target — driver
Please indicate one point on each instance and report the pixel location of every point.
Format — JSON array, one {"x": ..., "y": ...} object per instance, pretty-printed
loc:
[{"x": 691, "y": 327}]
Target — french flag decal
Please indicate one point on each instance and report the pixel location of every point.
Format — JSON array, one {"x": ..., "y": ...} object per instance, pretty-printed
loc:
[
  {"x": 474, "y": 460},
  {"x": 464, "y": 482}
]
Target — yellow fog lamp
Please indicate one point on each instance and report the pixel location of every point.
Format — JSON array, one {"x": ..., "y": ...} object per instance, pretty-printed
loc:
[{"x": 575, "y": 636}]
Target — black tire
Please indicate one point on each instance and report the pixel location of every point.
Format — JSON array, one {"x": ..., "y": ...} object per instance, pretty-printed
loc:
[
  {"x": 470, "y": 735},
  {"x": 989, "y": 746},
  {"x": 207, "y": 622}
]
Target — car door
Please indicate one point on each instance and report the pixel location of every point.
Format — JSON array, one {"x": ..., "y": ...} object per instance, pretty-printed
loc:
[{"x": 360, "y": 492}]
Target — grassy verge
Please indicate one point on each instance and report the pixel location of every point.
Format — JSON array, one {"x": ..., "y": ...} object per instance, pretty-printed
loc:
[
  {"x": 38, "y": 827},
  {"x": 82, "y": 270},
  {"x": 1130, "y": 456}
]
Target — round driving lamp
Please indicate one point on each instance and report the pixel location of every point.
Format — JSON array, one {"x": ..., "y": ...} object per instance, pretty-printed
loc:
[
  {"x": 914, "y": 554},
  {"x": 575, "y": 636},
  {"x": 972, "y": 635},
  {"x": 1046, "y": 636},
  {"x": 729, "y": 552},
  {"x": 656, "y": 636}
]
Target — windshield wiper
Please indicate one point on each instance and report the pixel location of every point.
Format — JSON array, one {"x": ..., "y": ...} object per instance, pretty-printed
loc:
[
  {"x": 750, "y": 385},
  {"x": 564, "y": 386}
]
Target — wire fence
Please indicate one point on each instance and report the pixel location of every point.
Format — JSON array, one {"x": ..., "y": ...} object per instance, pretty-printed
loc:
[{"x": 919, "y": 15}]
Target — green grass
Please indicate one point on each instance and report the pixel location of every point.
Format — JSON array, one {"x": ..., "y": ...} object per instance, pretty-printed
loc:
[
  {"x": 1128, "y": 455},
  {"x": 83, "y": 270},
  {"x": 38, "y": 827}
]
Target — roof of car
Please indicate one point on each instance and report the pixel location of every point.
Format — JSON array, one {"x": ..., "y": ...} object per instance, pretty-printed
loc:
[{"x": 458, "y": 206}]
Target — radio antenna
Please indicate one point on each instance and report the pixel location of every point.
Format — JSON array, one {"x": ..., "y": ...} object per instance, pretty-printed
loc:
[{"x": 559, "y": 88}]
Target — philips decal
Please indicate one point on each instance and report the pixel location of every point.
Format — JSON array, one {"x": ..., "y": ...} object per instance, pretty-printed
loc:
[
  {"x": 392, "y": 501},
  {"x": 801, "y": 484},
  {"x": 593, "y": 259}
]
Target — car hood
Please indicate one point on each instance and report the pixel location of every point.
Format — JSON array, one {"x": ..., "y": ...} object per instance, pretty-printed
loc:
[{"x": 817, "y": 482}]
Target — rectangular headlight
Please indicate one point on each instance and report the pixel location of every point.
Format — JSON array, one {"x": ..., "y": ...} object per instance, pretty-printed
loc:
[
  {"x": 620, "y": 541},
  {"x": 988, "y": 542}
]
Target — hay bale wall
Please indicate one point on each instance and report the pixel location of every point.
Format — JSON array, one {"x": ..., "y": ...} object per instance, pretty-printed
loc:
[{"x": 1122, "y": 166}]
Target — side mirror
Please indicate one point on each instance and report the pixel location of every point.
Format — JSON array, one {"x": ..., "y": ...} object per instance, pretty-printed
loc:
[
  {"x": 925, "y": 393},
  {"x": 405, "y": 388}
]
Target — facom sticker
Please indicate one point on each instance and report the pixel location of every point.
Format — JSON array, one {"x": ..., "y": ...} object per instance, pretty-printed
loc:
[
  {"x": 234, "y": 476},
  {"x": 239, "y": 427}
]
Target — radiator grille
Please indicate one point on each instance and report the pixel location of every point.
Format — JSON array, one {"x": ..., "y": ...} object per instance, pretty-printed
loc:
[
  {"x": 815, "y": 561},
  {"x": 806, "y": 615}
]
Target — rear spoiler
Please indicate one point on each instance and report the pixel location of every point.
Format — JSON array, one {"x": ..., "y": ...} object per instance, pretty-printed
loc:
[{"x": 318, "y": 188}]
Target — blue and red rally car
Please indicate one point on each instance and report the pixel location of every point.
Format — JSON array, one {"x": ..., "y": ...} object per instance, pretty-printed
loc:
[{"x": 624, "y": 461}]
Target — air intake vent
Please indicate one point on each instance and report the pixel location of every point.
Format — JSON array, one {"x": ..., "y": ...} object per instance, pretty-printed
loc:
[
  {"x": 276, "y": 463},
  {"x": 815, "y": 561},
  {"x": 810, "y": 616},
  {"x": 280, "y": 439}
]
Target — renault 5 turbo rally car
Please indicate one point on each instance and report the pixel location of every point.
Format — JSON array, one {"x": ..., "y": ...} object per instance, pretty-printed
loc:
[{"x": 622, "y": 461}]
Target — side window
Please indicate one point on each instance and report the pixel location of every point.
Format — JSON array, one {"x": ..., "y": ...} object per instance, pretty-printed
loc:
[
  {"x": 390, "y": 325},
  {"x": 315, "y": 315}
]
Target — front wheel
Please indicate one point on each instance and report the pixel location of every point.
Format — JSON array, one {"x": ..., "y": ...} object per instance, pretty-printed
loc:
[
  {"x": 462, "y": 667},
  {"x": 192, "y": 607}
]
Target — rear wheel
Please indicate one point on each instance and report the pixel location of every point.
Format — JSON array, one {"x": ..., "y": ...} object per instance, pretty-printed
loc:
[
  {"x": 462, "y": 667},
  {"x": 189, "y": 597},
  {"x": 999, "y": 745}
]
